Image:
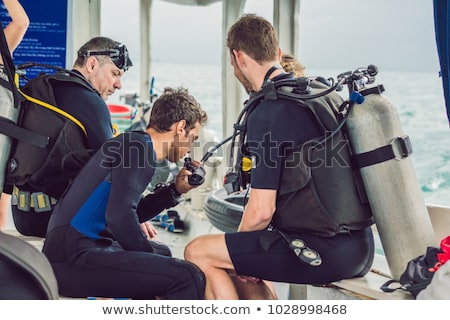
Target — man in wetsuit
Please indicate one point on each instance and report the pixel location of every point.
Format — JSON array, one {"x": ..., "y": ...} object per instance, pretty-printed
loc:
[
  {"x": 94, "y": 242},
  {"x": 258, "y": 250},
  {"x": 101, "y": 63}
]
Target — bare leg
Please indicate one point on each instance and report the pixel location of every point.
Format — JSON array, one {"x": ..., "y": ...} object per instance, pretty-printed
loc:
[
  {"x": 5, "y": 202},
  {"x": 270, "y": 287},
  {"x": 261, "y": 290},
  {"x": 210, "y": 254}
]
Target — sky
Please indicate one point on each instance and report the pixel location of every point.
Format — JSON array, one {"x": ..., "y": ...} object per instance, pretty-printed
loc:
[{"x": 393, "y": 34}]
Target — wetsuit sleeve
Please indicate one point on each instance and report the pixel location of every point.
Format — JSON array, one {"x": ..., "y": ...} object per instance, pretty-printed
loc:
[{"x": 154, "y": 203}]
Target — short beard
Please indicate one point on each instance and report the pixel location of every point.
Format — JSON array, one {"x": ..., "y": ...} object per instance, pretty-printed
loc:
[{"x": 244, "y": 81}]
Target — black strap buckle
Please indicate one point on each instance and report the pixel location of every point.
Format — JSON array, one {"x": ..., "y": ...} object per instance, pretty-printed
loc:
[
  {"x": 402, "y": 147},
  {"x": 399, "y": 148}
]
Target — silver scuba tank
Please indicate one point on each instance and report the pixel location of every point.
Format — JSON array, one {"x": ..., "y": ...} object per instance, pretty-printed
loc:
[
  {"x": 10, "y": 114},
  {"x": 389, "y": 178}
]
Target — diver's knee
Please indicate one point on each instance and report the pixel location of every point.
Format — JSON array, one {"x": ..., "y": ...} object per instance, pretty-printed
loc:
[{"x": 192, "y": 250}]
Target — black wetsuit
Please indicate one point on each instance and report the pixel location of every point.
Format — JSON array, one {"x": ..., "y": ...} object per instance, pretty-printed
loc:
[
  {"x": 94, "y": 241},
  {"x": 264, "y": 254},
  {"x": 91, "y": 110}
]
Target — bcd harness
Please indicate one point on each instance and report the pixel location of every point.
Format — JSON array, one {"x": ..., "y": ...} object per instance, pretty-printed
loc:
[
  {"x": 328, "y": 191},
  {"x": 49, "y": 144}
]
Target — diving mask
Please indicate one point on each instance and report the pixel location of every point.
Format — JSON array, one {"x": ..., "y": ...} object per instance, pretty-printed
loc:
[{"x": 119, "y": 56}]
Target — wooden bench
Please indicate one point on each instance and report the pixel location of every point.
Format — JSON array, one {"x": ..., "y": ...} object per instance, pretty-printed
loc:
[
  {"x": 368, "y": 287},
  {"x": 363, "y": 288}
]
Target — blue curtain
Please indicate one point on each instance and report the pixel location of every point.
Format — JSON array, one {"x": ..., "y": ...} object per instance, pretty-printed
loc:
[{"x": 442, "y": 30}]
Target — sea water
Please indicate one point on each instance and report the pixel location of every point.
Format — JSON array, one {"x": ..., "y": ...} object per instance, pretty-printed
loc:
[{"x": 418, "y": 97}]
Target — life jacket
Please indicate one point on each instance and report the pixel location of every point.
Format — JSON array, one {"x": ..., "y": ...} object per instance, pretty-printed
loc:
[
  {"x": 319, "y": 191},
  {"x": 54, "y": 148}
]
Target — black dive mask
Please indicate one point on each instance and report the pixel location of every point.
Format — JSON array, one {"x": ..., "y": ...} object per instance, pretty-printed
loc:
[{"x": 119, "y": 56}]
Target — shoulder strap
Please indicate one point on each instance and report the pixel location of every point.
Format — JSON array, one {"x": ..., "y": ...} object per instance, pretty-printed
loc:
[
  {"x": 302, "y": 93},
  {"x": 10, "y": 129}
]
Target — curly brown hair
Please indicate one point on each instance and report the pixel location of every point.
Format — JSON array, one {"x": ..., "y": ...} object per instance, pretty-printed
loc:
[
  {"x": 175, "y": 105},
  {"x": 292, "y": 65}
]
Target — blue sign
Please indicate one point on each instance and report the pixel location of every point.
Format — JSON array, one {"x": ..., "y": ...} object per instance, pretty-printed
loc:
[{"x": 45, "y": 39}]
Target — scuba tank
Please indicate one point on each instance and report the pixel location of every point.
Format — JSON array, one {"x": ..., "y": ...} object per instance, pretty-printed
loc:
[
  {"x": 381, "y": 151},
  {"x": 8, "y": 115},
  {"x": 9, "y": 105}
]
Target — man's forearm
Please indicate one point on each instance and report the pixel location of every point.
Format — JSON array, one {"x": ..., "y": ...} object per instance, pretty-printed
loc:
[{"x": 162, "y": 198}]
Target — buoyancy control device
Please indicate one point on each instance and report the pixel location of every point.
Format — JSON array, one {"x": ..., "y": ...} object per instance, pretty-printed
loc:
[
  {"x": 317, "y": 175},
  {"x": 49, "y": 144}
]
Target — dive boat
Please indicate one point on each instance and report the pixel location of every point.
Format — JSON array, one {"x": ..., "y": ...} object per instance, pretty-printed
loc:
[{"x": 220, "y": 212}]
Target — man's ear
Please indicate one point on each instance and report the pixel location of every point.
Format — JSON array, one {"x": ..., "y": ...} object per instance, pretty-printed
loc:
[
  {"x": 181, "y": 125},
  {"x": 238, "y": 58},
  {"x": 280, "y": 54},
  {"x": 90, "y": 63}
]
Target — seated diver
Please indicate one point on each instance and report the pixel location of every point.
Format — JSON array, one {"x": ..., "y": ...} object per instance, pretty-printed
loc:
[
  {"x": 287, "y": 233},
  {"x": 94, "y": 242}
]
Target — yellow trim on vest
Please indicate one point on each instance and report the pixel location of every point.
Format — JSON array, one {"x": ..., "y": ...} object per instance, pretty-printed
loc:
[
  {"x": 55, "y": 109},
  {"x": 16, "y": 80},
  {"x": 115, "y": 129}
]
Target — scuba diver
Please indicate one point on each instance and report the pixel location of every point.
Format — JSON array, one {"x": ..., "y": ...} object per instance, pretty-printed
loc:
[
  {"x": 94, "y": 241},
  {"x": 295, "y": 228}
]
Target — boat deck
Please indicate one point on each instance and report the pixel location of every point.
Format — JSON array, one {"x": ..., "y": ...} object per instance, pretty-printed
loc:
[
  {"x": 368, "y": 287},
  {"x": 196, "y": 223}
]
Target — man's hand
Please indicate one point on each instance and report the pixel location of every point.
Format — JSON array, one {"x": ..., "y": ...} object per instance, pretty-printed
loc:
[
  {"x": 181, "y": 182},
  {"x": 149, "y": 230},
  {"x": 247, "y": 279}
]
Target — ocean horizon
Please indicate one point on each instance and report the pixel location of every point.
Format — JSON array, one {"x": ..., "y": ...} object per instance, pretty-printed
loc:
[{"x": 417, "y": 96}]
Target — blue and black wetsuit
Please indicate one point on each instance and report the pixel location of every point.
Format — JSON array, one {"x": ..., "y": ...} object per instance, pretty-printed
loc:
[
  {"x": 272, "y": 127},
  {"x": 94, "y": 241}
]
